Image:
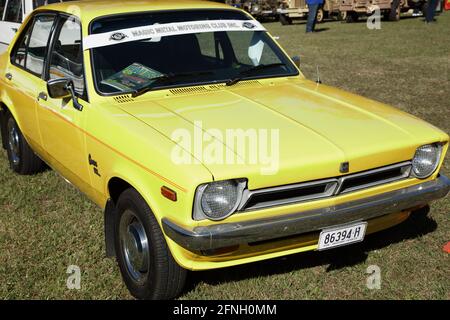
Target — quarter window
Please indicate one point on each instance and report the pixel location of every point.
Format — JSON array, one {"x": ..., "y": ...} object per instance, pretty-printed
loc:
[
  {"x": 14, "y": 11},
  {"x": 67, "y": 56},
  {"x": 21, "y": 50}
]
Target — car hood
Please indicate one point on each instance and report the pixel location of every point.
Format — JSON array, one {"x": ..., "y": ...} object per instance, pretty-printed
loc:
[{"x": 300, "y": 131}]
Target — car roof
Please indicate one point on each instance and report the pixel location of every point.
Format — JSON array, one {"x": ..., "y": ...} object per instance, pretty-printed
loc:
[{"x": 87, "y": 10}]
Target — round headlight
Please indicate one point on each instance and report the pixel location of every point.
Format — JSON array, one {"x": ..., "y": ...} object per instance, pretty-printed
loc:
[
  {"x": 426, "y": 160},
  {"x": 217, "y": 200}
]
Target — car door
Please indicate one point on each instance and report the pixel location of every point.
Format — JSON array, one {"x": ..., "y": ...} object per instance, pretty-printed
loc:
[
  {"x": 61, "y": 125},
  {"x": 12, "y": 18},
  {"x": 25, "y": 72}
]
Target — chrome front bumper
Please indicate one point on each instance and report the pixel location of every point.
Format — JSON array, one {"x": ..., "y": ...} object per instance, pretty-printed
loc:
[{"x": 229, "y": 234}]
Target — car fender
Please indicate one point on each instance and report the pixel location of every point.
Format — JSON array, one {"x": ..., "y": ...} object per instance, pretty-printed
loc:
[{"x": 149, "y": 187}]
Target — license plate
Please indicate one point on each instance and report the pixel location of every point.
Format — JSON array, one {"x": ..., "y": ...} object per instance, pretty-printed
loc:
[{"x": 342, "y": 235}]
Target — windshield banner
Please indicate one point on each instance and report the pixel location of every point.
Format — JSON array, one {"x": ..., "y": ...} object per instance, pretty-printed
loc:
[{"x": 156, "y": 31}]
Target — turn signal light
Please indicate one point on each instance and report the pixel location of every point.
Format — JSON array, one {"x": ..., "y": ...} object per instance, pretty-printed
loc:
[{"x": 168, "y": 193}]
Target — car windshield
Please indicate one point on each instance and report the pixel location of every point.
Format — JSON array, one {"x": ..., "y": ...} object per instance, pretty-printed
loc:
[{"x": 182, "y": 58}]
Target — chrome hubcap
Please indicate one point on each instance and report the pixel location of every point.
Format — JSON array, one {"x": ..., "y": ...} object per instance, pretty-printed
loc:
[
  {"x": 13, "y": 141},
  {"x": 135, "y": 248}
]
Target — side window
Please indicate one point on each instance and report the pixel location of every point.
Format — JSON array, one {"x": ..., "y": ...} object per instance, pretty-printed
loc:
[
  {"x": 37, "y": 46},
  {"x": 66, "y": 60},
  {"x": 14, "y": 11}
]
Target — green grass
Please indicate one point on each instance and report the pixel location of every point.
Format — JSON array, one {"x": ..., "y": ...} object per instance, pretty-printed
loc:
[{"x": 46, "y": 225}]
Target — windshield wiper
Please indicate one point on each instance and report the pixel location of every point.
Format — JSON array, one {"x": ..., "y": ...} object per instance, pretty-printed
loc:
[
  {"x": 251, "y": 70},
  {"x": 165, "y": 78}
]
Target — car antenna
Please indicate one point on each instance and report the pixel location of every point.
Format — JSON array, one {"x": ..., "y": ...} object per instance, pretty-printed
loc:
[{"x": 318, "y": 81}]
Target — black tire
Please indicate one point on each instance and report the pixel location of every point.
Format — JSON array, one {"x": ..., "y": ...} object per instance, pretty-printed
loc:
[
  {"x": 394, "y": 14},
  {"x": 424, "y": 9},
  {"x": 422, "y": 212},
  {"x": 22, "y": 158},
  {"x": 159, "y": 276},
  {"x": 3, "y": 127},
  {"x": 285, "y": 20},
  {"x": 352, "y": 16}
]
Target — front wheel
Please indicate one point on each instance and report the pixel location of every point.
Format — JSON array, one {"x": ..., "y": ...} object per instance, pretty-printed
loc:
[
  {"x": 394, "y": 14},
  {"x": 351, "y": 17},
  {"x": 146, "y": 264},
  {"x": 285, "y": 20}
]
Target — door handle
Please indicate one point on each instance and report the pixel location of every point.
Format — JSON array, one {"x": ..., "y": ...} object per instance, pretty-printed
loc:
[
  {"x": 42, "y": 96},
  {"x": 14, "y": 29},
  {"x": 8, "y": 76}
]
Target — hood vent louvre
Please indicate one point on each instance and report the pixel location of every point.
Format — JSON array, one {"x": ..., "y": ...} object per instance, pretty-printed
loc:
[
  {"x": 126, "y": 98},
  {"x": 123, "y": 98},
  {"x": 200, "y": 89},
  {"x": 213, "y": 87}
]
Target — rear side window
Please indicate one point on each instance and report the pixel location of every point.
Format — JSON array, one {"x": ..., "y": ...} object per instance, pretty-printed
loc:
[
  {"x": 14, "y": 11},
  {"x": 31, "y": 50}
]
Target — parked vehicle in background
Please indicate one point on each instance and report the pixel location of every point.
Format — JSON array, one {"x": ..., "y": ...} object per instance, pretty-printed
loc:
[
  {"x": 351, "y": 10},
  {"x": 12, "y": 13},
  {"x": 297, "y": 9},
  {"x": 260, "y": 9}
]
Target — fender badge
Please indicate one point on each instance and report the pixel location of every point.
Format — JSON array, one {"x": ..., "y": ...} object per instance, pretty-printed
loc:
[
  {"x": 248, "y": 25},
  {"x": 345, "y": 167},
  {"x": 118, "y": 36}
]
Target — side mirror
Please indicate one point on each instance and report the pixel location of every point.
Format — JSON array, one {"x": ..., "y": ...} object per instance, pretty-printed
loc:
[
  {"x": 63, "y": 88},
  {"x": 58, "y": 88},
  {"x": 296, "y": 61}
]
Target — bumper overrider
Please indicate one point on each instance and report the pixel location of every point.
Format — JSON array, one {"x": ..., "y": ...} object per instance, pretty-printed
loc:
[{"x": 231, "y": 234}]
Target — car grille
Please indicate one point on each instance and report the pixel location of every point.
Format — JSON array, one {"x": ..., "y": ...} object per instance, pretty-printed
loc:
[{"x": 294, "y": 193}]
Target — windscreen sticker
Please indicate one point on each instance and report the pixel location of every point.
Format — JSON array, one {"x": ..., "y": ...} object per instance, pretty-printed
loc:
[
  {"x": 168, "y": 29},
  {"x": 255, "y": 50}
]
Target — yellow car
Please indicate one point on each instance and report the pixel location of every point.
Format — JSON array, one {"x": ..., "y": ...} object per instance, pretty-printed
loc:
[{"x": 202, "y": 140}]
